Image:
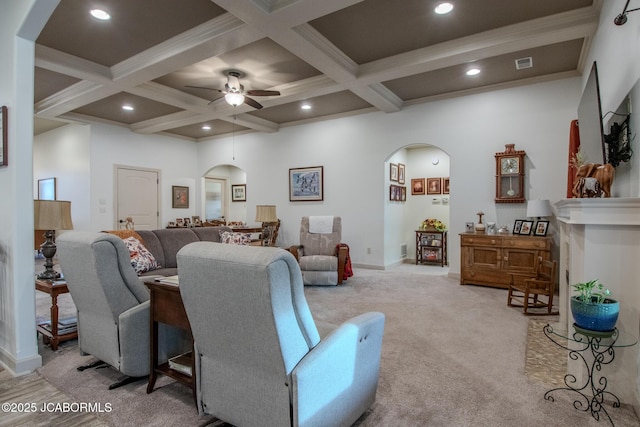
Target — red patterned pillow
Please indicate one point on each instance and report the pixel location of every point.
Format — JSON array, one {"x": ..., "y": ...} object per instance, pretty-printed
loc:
[
  {"x": 235, "y": 238},
  {"x": 141, "y": 259}
]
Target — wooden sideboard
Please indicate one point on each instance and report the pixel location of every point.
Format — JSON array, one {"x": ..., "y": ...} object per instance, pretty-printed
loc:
[{"x": 488, "y": 259}]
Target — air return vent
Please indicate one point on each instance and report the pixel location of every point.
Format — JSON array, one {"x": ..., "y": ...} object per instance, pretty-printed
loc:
[
  {"x": 523, "y": 63},
  {"x": 403, "y": 250}
]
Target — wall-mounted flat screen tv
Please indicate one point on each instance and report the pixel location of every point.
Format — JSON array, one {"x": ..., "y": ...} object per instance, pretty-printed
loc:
[{"x": 590, "y": 120}]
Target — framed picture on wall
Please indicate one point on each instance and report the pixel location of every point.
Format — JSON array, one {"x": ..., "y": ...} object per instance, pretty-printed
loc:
[
  {"x": 4, "y": 143},
  {"x": 239, "y": 192},
  {"x": 393, "y": 172},
  {"x": 445, "y": 185},
  {"x": 400, "y": 173},
  {"x": 306, "y": 184},
  {"x": 417, "y": 186},
  {"x": 434, "y": 186},
  {"x": 180, "y": 197},
  {"x": 47, "y": 189}
]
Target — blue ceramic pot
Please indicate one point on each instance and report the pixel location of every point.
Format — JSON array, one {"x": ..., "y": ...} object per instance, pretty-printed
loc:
[{"x": 593, "y": 316}]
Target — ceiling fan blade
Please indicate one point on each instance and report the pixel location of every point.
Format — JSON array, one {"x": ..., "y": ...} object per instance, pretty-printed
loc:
[
  {"x": 202, "y": 87},
  {"x": 263, "y": 92},
  {"x": 252, "y": 102}
]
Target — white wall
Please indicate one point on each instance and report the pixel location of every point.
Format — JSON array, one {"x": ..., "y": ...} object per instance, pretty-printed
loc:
[
  {"x": 355, "y": 152},
  {"x": 64, "y": 154},
  {"x": 175, "y": 158}
]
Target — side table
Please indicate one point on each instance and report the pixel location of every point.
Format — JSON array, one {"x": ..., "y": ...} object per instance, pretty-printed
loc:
[
  {"x": 49, "y": 330},
  {"x": 166, "y": 307},
  {"x": 601, "y": 347}
]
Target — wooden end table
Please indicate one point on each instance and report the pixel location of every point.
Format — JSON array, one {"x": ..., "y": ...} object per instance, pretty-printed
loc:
[
  {"x": 49, "y": 331},
  {"x": 166, "y": 307}
]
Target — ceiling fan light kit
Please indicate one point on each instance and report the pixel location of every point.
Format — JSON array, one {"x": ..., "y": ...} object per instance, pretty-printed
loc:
[
  {"x": 234, "y": 98},
  {"x": 234, "y": 93}
]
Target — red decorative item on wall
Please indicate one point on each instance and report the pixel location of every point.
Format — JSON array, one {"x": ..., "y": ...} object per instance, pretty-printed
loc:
[{"x": 574, "y": 146}]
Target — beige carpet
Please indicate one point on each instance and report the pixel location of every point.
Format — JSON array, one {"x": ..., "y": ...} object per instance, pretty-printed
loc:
[{"x": 452, "y": 356}]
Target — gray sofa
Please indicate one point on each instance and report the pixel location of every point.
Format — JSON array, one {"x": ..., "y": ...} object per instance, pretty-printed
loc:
[{"x": 165, "y": 243}]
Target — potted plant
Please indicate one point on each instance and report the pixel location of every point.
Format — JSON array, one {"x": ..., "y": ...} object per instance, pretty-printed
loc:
[{"x": 592, "y": 308}]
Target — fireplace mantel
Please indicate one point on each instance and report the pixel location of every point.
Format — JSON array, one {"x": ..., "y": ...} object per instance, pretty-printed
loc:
[
  {"x": 600, "y": 239},
  {"x": 604, "y": 211}
]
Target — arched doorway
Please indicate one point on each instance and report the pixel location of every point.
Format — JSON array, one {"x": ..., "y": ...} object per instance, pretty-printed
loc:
[
  {"x": 217, "y": 200},
  {"x": 422, "y": 185}
]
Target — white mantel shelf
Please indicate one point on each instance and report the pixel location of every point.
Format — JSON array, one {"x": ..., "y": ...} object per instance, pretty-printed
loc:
[{"x": 603, "y": 211}]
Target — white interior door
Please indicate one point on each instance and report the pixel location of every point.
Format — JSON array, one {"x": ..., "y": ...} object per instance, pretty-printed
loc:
[{"x": 137, "y": 197}]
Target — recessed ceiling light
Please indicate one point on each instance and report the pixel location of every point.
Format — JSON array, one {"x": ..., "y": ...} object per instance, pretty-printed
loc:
[
  {"x": 100, "y": 14},
  {"x": 206, "y": 127},
  {"x": 127, "y": 107},
  {"x": 305, "y": 107},
  {"x": 444, "y": 8},
  {"x": 473, "y": 72}
]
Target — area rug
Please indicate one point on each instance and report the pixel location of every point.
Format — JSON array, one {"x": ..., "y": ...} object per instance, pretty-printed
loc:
[{"x": 545, "y": 362}]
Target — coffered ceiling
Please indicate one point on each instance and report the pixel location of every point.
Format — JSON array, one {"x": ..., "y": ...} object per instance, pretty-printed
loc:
[{"x": 340, "y": 57}]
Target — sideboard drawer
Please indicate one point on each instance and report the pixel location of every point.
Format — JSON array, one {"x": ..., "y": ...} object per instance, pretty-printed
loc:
[
  {"x": 527, "y": 242},
  {"x": 481, "y": 240}
]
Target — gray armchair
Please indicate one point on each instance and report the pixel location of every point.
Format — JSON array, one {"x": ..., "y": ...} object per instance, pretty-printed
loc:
[
  {"x": 112, "y": 304},
  {"x": 322, "y": 259},
  {"x": 260, "y": 360}
]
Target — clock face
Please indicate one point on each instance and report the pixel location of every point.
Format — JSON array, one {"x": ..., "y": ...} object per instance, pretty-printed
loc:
[{"x": 510, "y": 165}]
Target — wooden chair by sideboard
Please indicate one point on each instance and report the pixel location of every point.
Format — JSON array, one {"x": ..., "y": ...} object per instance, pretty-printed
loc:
[{"x": 526, "y": 290}]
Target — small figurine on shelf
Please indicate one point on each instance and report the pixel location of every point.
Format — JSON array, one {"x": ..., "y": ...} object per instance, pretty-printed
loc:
[{"x": 480, "y": 226}]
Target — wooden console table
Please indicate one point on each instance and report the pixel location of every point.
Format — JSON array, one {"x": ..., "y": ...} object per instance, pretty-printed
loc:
[
  {"x": 49, "y": 331},
  {"x": 166, "y": 307},
  {"x": 489, "y": 259}
]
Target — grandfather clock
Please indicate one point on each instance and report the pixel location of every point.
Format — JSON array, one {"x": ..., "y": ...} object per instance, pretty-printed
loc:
[{"x": 510, "y": 175}]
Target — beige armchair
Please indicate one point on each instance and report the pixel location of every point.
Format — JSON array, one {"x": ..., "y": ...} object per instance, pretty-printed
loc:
[
  {"x": 321, "y": 256},
  {"x": 260, "y": 360}
]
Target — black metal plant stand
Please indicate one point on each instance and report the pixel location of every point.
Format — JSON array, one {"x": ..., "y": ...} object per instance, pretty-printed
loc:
[{"x": 602, "y": 351}]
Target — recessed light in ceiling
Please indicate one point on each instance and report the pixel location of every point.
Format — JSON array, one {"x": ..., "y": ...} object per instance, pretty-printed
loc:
[
  {"x": 444, "y": 8},
  {"x": 305, "y": 107},
  {"x": 473, "y": 71},
  {"x": 100, "y": 14},
  {"x": 127, "y": 107},
  {"x": 206, "y": 127}
]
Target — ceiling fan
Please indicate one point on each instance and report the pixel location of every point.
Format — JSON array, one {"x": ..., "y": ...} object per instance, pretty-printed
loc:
[{"x": 235, "y": 94}]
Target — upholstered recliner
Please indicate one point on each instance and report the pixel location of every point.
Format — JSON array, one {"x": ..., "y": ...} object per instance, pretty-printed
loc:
[
  {"x": 260, "y": 360},
  {"x": 321, "y": 256},
  {"x": 112, "y": 304}
]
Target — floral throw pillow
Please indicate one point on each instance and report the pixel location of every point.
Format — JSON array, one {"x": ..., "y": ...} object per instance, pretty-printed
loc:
[
  {"x": 141, "y": 259},
  {"x": 235, "y": 238}
]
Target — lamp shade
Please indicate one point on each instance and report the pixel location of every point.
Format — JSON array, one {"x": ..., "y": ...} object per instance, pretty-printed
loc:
[
  {"x": 266, "y": 213},
  {"x": 538, "y": 208},
  {"x": 52, "y": 215}
]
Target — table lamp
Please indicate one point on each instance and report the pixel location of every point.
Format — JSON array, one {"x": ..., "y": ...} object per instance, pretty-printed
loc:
[
  {"x": 538, "y": 209},
  {"x": 51, "y": 215},
  {"x": 266, "y": 214}
]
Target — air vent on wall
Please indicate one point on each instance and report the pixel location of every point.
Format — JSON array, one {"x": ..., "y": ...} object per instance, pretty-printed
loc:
[
  {"x": 523, "y": 63},
  {"x": 403, "y": 250}
]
